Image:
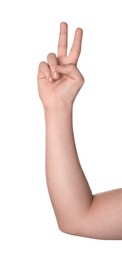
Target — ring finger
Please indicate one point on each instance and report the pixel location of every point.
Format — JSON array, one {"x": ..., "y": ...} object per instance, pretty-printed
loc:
[{"x": 53, "y": 62}]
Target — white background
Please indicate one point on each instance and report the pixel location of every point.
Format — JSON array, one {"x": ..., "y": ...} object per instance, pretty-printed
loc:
[{"x": 28, "y": 32}]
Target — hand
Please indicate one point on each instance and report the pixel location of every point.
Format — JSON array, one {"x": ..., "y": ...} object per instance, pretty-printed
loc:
[{"x": 59, "y": 80}]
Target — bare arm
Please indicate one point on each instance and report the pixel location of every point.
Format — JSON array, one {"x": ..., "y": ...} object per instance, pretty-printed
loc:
[
  {"x": 77, "y": 210},
  {"x": 69, "y": 191}
]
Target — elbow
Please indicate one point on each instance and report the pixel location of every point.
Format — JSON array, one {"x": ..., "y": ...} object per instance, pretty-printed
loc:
[
  {"x": 71, "y": 229},
  {"x": 66, "y": 230},
  {"x": 76, "y": 227}
]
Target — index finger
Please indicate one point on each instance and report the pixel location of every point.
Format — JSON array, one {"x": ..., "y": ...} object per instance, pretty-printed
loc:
[
  {"x": 62, "y": 43},
  {"x": 76, "y": 46}
]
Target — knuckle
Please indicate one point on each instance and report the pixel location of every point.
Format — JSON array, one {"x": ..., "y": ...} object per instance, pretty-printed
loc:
[{"x": 81, "y": 80}]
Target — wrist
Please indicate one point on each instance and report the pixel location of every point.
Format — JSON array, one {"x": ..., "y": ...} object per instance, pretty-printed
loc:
[
  {"x": 59, "y": 116},
  {"x": 57, "y": 110}
]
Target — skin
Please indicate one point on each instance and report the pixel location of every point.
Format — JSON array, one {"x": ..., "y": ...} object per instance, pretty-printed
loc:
[{"x": 77, "y": 210}]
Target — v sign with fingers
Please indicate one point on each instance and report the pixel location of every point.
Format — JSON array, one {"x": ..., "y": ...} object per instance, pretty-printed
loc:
[
  {"x": 77, "y": 210},
  {"x": 62, "y": 45},
  {"x": 59, "y": 80}
]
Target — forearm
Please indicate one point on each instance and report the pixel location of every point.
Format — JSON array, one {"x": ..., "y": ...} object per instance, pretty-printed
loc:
[
  {"x": 68, "y": 188},
  {"x": 77, "y": 211}
]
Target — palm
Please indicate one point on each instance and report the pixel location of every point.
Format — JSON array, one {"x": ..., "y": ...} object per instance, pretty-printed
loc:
[{"x": 61, "y": 86}]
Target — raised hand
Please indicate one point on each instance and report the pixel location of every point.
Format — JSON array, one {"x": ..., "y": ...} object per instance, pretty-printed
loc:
[{"x": 59, "y": 80}]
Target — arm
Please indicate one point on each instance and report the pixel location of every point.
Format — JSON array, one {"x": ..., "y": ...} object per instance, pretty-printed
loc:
[
  {"x": 69, "y": 191},
  {"x": 77, "y": 210}
]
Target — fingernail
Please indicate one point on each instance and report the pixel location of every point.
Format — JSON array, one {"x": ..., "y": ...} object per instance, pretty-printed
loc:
[
  {"x": 56, "y": 74},
  {"x": 50, "y": 79}
]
